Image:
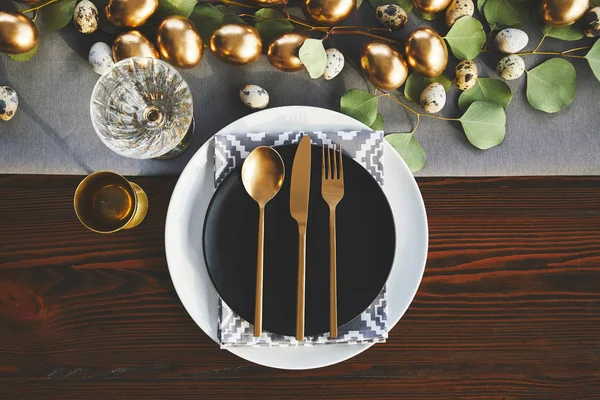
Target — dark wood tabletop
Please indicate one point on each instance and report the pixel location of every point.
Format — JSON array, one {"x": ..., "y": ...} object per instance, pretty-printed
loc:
[{"x": 509, "y": 307}]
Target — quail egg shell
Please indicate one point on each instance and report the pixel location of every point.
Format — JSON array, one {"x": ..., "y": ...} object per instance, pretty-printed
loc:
[
  {"x": 335, "y": 63},
  {"x": 433, "y": 98},
  {"x": 85, "y": 17},
  {"x": 511, "y": 40},
  {"x": 100, "y": 57},
  {"x": 465, "y": 75},
  {"x": 9, "y": 102},
  {"x": 458, "y": 9},
  {"x": 392, "y": 16},
  {"x": 591, "y": 23},
  {"x": 254, "y": 97},
  {"x": 510, "y": 67}
]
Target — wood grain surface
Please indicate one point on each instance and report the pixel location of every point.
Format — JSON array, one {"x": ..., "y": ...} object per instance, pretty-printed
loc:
[{"x": 509, "y": 307}]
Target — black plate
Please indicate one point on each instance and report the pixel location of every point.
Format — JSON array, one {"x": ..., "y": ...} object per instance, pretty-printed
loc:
[{"x": 365, "y": 242}]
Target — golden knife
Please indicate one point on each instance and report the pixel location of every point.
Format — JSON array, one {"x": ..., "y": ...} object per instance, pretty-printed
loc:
[{"x": 299, "y": 191}]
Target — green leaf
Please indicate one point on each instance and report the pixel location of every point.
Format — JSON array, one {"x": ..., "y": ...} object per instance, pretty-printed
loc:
[
  {"x": 23, "y": 56},
  {"x": 405, "y": 4},
  {"x": 486, "y": 89},
  {"x": 208, "y": 18},
  {"x": 426, "y": 16},
  {"x": 409, "y": 149},
  {"x": 506, "y": 12},
  {"x": 176, "y": 7},
  {"x": 480, "y": 5},
  {"x": 358, "y": 4},
  {"x": 569, "y": 33},
  {"x": 551, "y": 85},
  {"x": 593, "y": 57},
  {"x": 378, "y": 124},
  {"x": 594, "y": 3},
  {"x": 484, "y": 123},
  {"x": 57, "y": 15},
  {"x": 272, "y": 26},
  {"x": 416, "y": 83},
  {"x": 313, "y": 56},
  {"x": 466, "y": 38},
  {"x": 359, "y": 105}
]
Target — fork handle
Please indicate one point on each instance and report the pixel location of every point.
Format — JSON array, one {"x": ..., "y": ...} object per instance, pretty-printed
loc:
[
  {"x": 301, "y": 283},
  {"x": 333, "y": 325}
]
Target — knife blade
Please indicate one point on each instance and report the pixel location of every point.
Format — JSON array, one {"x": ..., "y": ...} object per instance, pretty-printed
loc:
[{"x": 299, "y": 192}]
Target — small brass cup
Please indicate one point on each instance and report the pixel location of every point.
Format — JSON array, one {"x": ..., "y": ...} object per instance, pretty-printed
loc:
[{"x": 106, "y": 202}]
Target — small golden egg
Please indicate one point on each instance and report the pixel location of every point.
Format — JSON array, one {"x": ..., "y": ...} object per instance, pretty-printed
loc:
[
  {"x": 431, "y": 6},
  {"x": 329, "y": 12},
  {"x": 426, "y": 52},
  {"x": 557, "y": 13},
  {"x": 384, "y": 65},
  {"x": 236, "y": 44},
  {"x": 18, "y": 34},
  {"x": 179, "y": 43},
  {"x": 130, "y": 13},
  {"x": 283, "y": 51},
  {"x": 133, "y": 44}
]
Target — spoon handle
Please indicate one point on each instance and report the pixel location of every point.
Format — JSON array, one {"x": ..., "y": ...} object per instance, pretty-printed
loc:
[
  {"x": 301, "y": 282},
  {"x": 258, "y": 305}
]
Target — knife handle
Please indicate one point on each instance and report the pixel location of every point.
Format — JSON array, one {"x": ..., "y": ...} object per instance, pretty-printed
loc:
[
  {"x": 301, "y": 283},
  {"x": 258, "y": 302}
]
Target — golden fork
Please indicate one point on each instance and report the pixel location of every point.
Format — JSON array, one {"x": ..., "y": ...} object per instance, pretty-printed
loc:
[{"x": 332, "y": 190}]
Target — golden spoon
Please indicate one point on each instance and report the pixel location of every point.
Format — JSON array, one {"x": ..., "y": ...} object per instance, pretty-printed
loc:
[{"x": 262, "y": 176}]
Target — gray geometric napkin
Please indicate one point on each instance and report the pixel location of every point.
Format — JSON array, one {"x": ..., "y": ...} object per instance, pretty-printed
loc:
[{"x": 364, "y": 147}]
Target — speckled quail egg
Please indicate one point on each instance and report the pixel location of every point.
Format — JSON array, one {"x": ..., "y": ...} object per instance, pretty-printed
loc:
[
  {"x": 591, "y": 23},
  {"x": 392, "y": 16},
  {"x": 510, "y": 67},
  {"x": 433, "y": 98},
  {"x": 458, "y": 9},
  {"x": 100, "y": 57},
  {"x": 9, "y": 102},
  {"x": 511, "y": 40},
  {"x": 85, "y": 17},
  {"x": 254, "y": 97},
  {"x": 335, "y": 63},
  {"x": 465, "y": 75}
]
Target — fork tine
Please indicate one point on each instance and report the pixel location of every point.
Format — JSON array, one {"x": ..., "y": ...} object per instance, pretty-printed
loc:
[
  {"x": 328, "y": 161},
  {"x": 341, "y": 165},
  {"x": 323, "y": 166},
  {"x": 335, "y": 172}
]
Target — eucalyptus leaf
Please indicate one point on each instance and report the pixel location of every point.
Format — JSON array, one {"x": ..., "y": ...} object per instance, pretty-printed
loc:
[
  {"x": 480, "y": 5},
  {"x": 484, "y": 123},
  {"x": 313, "y": 56},
  {"x": 466, "y": 38},
  {"x": 176, "y": 7},
  {"x": 594, "y": 3},
  {"x": 405, "y": 4},
  {"x": 360, "y": 105},
  {"x": 416, "y": 83},
  {"x": 409, "y": 149},
  {"x": 358, "y": 4},
  {"x": 23, "y": 56},
  {"x": 229, "y": 15},
  {"x": 272, "y": 26},
  {"x": 551, "y": 85},
  {"x": 486, "y": 89},
  {"x": 378, "y": 125},
  {"x": 593, "y": 57},
  {"x": 568, "y": 33},
  {"x": 57, "y": 15},
  {"x": 208, "y": 18},
  {"x": 506, "y": 12},
  {"x": 426, "y": 16}
]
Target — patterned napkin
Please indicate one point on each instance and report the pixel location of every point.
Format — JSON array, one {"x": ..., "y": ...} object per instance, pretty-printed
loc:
[{"x": 364, "y": 147}]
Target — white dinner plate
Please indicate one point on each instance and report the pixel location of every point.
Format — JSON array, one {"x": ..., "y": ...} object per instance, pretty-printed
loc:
[{"x": 185, "y": 220}]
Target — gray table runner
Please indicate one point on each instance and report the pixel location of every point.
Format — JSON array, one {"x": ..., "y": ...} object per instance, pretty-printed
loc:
[{"x": 52, "y": 133}]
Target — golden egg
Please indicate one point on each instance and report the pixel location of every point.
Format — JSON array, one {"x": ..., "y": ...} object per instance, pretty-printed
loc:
[
  {"x": 18, "y": 34},
  {"x": 283, "y": 51},
  {"x": 269, "y": 3},
  {"x": 426, "y": 52},
  {"x": 384, "y": 65},
  {"x": 329, "y": 12},
  {"x": 431, "y": 6},
  {"x": 131, "y": 13},
  {"x": 236, "y": 44},
  {"x": 133, "y": 44},
  {"x": 179, "y": 43},
  {"x": 557, "y": 13}
]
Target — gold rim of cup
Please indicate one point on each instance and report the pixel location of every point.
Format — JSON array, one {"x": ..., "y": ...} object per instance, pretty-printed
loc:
[{"x": 99, "y": 198}]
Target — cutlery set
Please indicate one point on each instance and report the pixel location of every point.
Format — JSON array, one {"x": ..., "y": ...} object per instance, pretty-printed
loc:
[{"x": 262, "y": 176}]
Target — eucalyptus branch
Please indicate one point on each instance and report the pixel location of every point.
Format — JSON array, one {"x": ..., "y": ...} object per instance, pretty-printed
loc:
[
  {"x": 40, "y": 6},
  {"x": 540, "y": 43},
  {"x": 487, "y": 42},
  {"x": 564, "y": 53}
]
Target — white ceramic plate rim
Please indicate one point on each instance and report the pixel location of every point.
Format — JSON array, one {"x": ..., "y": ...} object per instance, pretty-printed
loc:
[{"x": 195, "y": 188}]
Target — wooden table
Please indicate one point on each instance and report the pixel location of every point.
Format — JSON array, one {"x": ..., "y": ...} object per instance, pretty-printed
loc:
[{"x": 509, "y": 307}]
